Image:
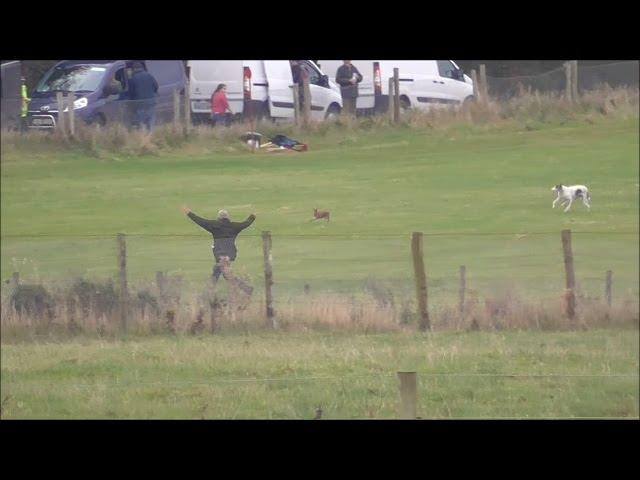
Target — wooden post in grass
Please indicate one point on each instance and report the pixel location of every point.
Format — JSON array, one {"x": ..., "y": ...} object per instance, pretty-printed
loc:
[
  {"x": 476, "y": 90},
  {"x": 122, "y": 269},
  {"x": 60, "y": 102},
  {"x": 569, "y": 294},
  {"x": 268, "y": 278},
  {"x": 391, "y": 97},
  {"x": 71, "y": 98},
  {"x": 296, "y": 103},
  {"x": 396, "y": 95},
  {"x": 607, "y": 288},
  {"x": 483, "y": 83},
  {"x": 574, "y": 80},
  {"x": 176, "y": 109},
  {"x": 187, "y": 108},
  {"x": 463, "y": 286},
  {"x": 421, "y": 281},
  {"x": 408, "y": 395},
  {"x": 306, "y": 99},
  {"x": 567, "y": 85}
]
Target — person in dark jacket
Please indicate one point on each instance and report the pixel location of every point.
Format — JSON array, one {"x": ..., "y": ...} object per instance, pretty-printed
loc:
[
  {"x": 224, "y": 233},
  {"x": 143, "y": 90},
  {"x": 348, "y": 77}
]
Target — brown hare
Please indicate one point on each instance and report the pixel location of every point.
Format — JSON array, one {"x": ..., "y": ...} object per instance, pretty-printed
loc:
[{"x": 318, "y": 214}]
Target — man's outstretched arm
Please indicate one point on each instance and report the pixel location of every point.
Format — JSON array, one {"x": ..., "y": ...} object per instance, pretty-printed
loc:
[
  {"x": 203, "y": 222},
  {"x": 246, "y": 223}
]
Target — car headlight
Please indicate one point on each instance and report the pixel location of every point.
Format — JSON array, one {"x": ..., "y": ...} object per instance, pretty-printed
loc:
[{"x": 80, "y": 103}]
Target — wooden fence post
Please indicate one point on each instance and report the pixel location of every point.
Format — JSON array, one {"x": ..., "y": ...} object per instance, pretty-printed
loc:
[
  {"x": 483, "y": 83},
  {"x": 408, "y": 395},
  {"x": 463, "y": 286},
  {"x": 296, "y": 103},
  {"x": 574, "y": 80},
  {"x": 569, "y": 294},
  {"x": 391, "y": 97},
  {"x": 396, "y": 95},
  {"x": 187, "y": 108},
  {"x": 268, "y": 278},
  {"x": 567, "y": 85},
  {"x": 15, "y": 279},
  {"x": 607, "y": 289},
  {"x": 421, "y": 281},
  {"x": 176, "y": 109},
  {"x": 306, "y": 98},
  {"x": 122, "y": 268},
  {"x": 60, "y": 102},
  {"x": 476, "y": 89},
  {"x": 71, "y": 98}
]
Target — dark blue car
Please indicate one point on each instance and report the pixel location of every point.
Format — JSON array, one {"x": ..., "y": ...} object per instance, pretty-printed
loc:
[{"x": 101, "y": 90}]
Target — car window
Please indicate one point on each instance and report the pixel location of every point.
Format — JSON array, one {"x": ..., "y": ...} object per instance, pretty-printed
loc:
[
  {"x": 311, "y": 72},
  {"x": 446, "y": 68}
]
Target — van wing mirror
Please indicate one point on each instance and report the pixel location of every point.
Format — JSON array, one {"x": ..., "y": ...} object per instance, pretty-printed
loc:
[
  {"x": 458, "y": 74},
  {"x": 324, "y": 79}
]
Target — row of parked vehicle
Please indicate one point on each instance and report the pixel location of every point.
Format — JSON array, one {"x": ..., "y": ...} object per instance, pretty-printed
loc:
[{"x": 256, "y": 87}]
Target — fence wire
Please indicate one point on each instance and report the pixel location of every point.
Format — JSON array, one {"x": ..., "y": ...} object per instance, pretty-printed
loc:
[{"x": 614, "y": 75}]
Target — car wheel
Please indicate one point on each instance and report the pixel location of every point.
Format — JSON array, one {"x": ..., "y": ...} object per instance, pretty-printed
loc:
[
  {"x": 405, "y": 104},
  {"x": 333, "y": 113}
]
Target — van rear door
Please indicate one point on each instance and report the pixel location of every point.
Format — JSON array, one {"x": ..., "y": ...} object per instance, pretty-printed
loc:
[
  {"x": 206, "y": 75},
  {"x": 280, "y": 81}
]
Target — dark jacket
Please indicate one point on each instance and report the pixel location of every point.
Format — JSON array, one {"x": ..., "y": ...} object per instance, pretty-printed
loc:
[
  {"x": 224, "y": 233},
  {"x": 142, "y": 86},
  {"x": 343, "y": 78}
]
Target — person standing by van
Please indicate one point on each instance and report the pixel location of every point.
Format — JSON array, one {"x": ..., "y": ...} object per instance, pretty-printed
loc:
[
  {"x": 348, "y": 77},
  {"x": 24, "y": 104},
  {"x": 220, "y": 106},
  {"x": 143, "y": 89}
]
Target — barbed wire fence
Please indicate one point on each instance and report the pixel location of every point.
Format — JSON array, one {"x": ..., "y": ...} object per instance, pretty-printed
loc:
[
  {"x": 350, "y": 280},
  {"x": 589, "y": 77}
]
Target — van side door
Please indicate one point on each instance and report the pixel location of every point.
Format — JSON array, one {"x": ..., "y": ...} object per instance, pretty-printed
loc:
[
  {"x": 170, "y": 75},
  {"x": 280, "y": 82},
  {"x": 454, "y": 88},
  {"x": 320, "y": 91}
]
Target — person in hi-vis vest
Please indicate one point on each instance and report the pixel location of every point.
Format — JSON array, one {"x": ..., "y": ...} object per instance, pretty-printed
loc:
[{"x": 25, "y": 103}]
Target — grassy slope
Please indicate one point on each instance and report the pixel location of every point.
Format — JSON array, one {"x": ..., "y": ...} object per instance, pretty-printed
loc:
[
  {"x": 391, "y": 182},
  {"x": 349, "y": 376}
]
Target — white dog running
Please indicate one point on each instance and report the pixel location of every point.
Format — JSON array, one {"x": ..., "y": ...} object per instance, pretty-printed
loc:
[{"x": 570, "y": 194}]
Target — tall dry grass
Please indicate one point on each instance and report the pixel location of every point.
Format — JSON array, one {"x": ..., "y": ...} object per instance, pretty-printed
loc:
[{"x": 188, "y": 313}]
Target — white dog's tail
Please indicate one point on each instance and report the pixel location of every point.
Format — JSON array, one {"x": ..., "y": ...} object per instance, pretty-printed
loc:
[{"x": 588, "y": 195}]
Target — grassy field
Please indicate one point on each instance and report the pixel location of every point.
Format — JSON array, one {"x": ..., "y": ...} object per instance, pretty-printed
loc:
[
  {"x": 480, "y": 194},
  {"x": 555, "y": 375}
]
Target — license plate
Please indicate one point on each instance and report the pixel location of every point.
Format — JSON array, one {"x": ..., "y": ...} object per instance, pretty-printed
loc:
[
  {"x": 42, "y": 121},
  {"x": 201, "y": 105}
]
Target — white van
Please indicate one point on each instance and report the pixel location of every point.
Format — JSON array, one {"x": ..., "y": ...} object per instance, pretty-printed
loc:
[
  {"x": 423, "y": 83},
  {"x": 263, "y": 87}
]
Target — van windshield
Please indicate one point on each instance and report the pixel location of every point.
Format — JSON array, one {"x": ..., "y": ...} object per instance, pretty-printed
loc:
[{"x": 73, "y": 78}]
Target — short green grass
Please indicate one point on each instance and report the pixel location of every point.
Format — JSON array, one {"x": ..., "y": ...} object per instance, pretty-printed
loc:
[
  {"x": 287, "y": 376},
  {"x": 471, "y": 190}
]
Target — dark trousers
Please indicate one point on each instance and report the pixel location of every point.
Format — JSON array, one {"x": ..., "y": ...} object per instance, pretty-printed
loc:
[
  {"x": 349, "y": 106},
  {"x": 145, "y": 114},
  {"x": 221, "y": 118}
]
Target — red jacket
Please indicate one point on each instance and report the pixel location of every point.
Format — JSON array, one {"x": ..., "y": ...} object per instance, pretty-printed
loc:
[{"x": 219, "y": 103}]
